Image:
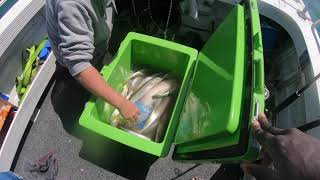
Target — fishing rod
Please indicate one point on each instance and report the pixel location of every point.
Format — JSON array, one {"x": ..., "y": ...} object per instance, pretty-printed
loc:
[
  {"x": 293, "y": 97},
  {"x": 289, "y": 100},
  {"x": 310, "y": 125}
]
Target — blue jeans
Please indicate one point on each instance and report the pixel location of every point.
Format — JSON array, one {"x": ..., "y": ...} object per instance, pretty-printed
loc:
[{"x": 9, "y": 176}]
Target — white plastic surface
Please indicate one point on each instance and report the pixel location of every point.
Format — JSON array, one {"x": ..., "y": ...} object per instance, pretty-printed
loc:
[
  {"x": 305, "y": 37},
  {"x": 20, "y": 122},
  {"x": 18, "y": 30}
]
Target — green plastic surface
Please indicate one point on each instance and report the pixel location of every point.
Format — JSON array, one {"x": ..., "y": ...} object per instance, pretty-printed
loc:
[
  {"x": 148, "y": 52},
  {"x": 214, "y": 77},
  {"x": 218, "y": 84},
  {"x": 211, "y": 143}
]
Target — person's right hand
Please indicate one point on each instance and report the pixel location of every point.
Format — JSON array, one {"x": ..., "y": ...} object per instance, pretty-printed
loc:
[
  {"x": 129, "y": 111},
  {"x": 295, "y": 155}
]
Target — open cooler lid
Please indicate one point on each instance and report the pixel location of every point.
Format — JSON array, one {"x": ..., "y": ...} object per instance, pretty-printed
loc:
[{"x": 214, "y": 122}]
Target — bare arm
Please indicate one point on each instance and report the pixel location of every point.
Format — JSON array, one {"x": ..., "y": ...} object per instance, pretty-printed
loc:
[
  {"x": 76, "y": 48},
  {"x": 91, "y": 79}
]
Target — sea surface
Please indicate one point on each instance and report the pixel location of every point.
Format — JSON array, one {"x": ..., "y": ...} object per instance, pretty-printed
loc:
[
  {"x": 314, "y": 10},
  {"x": 5, "y": 5}
]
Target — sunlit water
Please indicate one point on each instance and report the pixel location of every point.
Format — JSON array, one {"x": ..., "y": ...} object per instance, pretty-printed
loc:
[{"x": 314, "y": 10}]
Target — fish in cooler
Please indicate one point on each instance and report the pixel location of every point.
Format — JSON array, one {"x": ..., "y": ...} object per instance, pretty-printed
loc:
[{"x": 153, "y": 94}]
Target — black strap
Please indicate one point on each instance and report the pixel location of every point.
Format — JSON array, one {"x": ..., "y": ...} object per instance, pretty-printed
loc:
[
  {"x": 289, "y": 100},
  {"x": 310, "y": 125}
]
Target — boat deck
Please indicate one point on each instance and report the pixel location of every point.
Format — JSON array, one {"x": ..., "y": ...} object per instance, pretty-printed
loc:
[{"x": 84, "y": 155}]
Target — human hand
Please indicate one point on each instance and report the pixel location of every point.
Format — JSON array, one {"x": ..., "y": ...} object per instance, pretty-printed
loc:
[
  {"x": 129, "y": 111},
  {"x": 295, "y": 155}
]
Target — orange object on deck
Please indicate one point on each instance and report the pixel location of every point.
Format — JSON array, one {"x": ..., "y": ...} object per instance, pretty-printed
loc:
[{"x": 5, "y": 109}]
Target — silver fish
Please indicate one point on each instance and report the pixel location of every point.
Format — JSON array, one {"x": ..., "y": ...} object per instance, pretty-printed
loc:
[
  {"x": 134, "y": 80},
  {"x": 131, "y": 82},
  {"x": 153, "y": 122},
  {"x": 154, "y": 91},
  {"x": 133, "y": 86},
  {"x": 163, "y": 124},
  {"x": 129, "y": 90},
  {"x": 142, "y": 72},
  {"x": 146, "y": 86},
  {"x": 160, "y": 105},
  {"x": 162, "y": 89},
  {"x": 149, "y": 78}
]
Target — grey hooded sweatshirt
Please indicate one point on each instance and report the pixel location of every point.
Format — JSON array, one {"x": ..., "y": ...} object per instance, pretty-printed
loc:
[{"x": 79, "y": 31}]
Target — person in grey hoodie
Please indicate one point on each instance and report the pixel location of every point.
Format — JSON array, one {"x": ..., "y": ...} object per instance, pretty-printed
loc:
[{"x": 79, "y": 31}]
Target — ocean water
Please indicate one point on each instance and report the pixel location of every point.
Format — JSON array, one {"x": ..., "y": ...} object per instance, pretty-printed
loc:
[
  {"x": 5, "y": 5},
  {"x": 314, "y": 10}
]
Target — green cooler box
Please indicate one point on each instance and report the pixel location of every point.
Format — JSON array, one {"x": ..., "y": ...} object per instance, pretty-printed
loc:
[{"x": 224, "y": 83}]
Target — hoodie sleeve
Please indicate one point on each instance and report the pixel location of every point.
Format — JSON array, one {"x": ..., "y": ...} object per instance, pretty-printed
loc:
[{"x": 76, "y": 33}]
